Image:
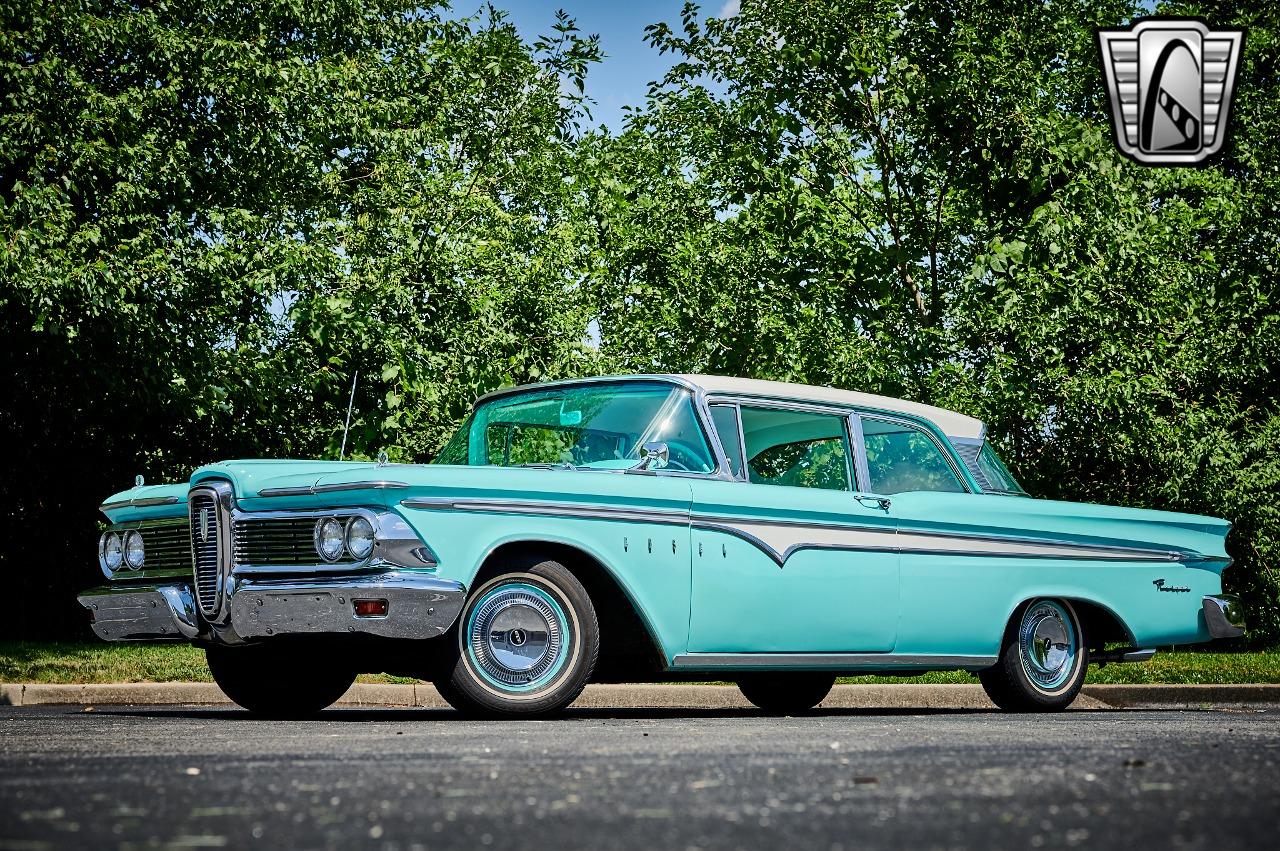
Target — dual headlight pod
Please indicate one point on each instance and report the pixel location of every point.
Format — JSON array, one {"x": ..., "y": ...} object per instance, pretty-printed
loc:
[
  {"x": 334, "y": 538},
  {"x": 121, "y": 549}
]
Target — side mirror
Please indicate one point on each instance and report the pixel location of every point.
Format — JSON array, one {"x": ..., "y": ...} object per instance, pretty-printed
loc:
[{"x": 656, "y": 456}]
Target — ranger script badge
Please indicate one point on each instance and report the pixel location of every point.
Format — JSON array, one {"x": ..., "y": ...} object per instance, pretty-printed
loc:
[{"x": 1170, "y": 82}]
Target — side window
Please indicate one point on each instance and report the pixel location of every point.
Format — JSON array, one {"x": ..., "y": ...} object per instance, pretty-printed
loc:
[
  {"x": 796, "y": 448},
  {"x": 725, "y": 420},
  {"x": 902, "y": 458}
]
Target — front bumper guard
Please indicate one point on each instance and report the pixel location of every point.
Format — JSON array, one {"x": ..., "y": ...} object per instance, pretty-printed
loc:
[
  {"x": 1224, "y": 616},
  {"x": 417, "y": 606}
]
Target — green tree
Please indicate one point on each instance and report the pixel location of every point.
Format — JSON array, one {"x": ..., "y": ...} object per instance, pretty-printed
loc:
[
  {"x": 924, "y": 200},
  {"x": 209, "y": 220}
]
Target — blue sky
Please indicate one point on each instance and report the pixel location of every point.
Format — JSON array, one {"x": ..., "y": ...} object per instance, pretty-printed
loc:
[{"x": 622, "y": 79}]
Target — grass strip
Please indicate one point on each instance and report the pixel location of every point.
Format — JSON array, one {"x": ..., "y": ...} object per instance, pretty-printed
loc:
[{"x": 66, "y": 662}]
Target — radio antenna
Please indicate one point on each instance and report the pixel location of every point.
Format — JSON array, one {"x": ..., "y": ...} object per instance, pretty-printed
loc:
[{"x": 346, "y": 428}]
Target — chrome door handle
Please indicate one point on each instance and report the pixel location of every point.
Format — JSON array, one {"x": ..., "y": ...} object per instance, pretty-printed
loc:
[{"x": 880, "y": 502}]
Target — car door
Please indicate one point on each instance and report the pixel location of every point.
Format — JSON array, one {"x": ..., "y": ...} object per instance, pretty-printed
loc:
[{"x": 787, "y": 558}]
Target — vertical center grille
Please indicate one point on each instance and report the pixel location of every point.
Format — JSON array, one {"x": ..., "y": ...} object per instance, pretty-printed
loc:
[{"x": 206, "y": 550}]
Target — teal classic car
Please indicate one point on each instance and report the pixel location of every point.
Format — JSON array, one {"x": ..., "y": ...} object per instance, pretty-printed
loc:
[{"x": 655, "y": 528}]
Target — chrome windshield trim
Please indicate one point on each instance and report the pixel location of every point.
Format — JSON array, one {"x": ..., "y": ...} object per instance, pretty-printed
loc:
[
  {"x": 145, "y": 502},
  {"x": 308, "y": 490},
  {"x": 830, "y": 661},
  {"x": 594, "y": 379}
]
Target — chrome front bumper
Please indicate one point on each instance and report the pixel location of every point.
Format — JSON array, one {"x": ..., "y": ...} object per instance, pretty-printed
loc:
[
  {"x": 417, "y": 606},
  {"x": 1224, "y": 616}
]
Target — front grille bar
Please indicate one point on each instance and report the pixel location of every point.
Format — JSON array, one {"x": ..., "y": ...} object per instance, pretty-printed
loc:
[{"x": 209, "y": 513}]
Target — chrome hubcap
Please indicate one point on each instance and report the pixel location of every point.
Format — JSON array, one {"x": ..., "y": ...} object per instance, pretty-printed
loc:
[
  {"x": 1047, "y": 644},
  {"x": 516, "y": 636}
]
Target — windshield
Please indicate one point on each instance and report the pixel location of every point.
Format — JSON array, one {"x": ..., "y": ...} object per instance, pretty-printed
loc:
[
  {"x": 599, "y": 426},
  {"x": 997, "y": 475}
]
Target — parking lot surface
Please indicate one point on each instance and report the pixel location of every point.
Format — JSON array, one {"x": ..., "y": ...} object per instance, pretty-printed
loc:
[{"x": 639, "y": 779}]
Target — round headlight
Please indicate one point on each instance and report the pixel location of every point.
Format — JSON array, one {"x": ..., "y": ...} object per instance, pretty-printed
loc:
[
  {"x": 329, "y": 539},
  {"x": 359, "y": 538},
  {"x": 112, "y": 554},
  {"x": 133, "y": 550}
]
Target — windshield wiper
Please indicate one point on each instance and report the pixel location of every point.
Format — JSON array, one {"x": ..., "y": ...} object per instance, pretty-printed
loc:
[{"x": 559, "y": 465}]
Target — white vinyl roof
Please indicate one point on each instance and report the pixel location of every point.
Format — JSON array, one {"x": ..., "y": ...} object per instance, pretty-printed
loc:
[{"x": 948, "y": 422}]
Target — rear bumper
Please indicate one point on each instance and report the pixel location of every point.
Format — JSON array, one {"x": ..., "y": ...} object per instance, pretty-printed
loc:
[
  {"x": 1224, "y": 616},
  {"x": 417, "y": 606}
]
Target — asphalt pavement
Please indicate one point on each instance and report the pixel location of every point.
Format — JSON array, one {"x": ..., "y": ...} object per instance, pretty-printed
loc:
[{"x": 195, "y": 777}]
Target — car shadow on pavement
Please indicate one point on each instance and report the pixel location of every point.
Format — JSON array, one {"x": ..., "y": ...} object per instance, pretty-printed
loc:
[{"x": 366, "y": 715}]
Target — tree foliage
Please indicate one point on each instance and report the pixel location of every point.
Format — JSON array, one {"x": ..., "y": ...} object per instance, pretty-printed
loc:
[
  {"x": 211, "y": 222},
  {"x": 925, "y": 202}
]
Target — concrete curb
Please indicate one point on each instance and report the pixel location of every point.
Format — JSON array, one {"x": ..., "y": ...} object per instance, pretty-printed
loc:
[
  {"x": 1185, "y": 695},
  {"x": 658, "y": 696}
]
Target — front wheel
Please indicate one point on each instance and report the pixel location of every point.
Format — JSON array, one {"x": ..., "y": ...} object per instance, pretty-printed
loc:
[
  {"x": 1042, "y": 662},
  {"x": 526, "y": 644},
  {"x": 786, "y": 693},
  {"x": 278, "y": 681}
]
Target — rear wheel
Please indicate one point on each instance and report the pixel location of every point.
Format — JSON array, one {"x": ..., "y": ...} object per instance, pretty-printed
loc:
[
  {"x": 278, "y": 681},
  {"x": 786, "y": 693},
  {"x": 526, "y": 644},
  {"x": 1042, "y": 662}
]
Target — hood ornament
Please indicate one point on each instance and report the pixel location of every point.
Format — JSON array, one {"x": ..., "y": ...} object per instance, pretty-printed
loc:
[{"x": 138, "y": 481}]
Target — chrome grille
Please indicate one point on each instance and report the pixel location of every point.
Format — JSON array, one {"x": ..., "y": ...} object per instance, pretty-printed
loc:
[
  {"x": 167, "y": 546},
  {"x": 278, "y": 541},
  {"x": 202, "y": 511}
]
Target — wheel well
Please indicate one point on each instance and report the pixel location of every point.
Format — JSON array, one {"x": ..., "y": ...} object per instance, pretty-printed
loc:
[
  {"x": 1101, "y": 626},
  {"x": 627, "y": 649}
]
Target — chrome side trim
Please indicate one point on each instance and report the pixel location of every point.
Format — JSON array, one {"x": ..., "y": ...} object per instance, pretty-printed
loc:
[
  {"x": 141, "y": 503},
  {"x": 831, "y": 661},
  {"x": 540, "y": 508},
  {"x": 1020, "y": 547},
  {"x": 779, "y": 539},
  {"x": 1130, "y": 654},
  {"x": 1224, "y": 615},
  {"x": 308, "y": 490}
]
